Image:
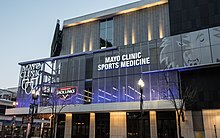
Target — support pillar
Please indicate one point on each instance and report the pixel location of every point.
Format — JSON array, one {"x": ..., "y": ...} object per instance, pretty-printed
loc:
[
  {"x": 42, "y": 128},
  {"x": 211, "y": 120},
  {"x": 92, "y": 126},
  {"x": 118, "y": 125},
  {"x": 68, "y": 126},
  {"x": 186, "y": 126},
  {"x": 153, "y": 124}
]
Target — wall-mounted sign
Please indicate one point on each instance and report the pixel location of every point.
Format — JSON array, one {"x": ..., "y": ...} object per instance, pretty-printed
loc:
[
  {"x": 124, "y": 61},
  {"x": 29, "y": 76},
  {"x": 66, "y": 93}
]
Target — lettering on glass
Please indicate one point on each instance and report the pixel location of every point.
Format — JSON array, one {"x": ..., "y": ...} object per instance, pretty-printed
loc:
[{"x": 124, "y": 61}]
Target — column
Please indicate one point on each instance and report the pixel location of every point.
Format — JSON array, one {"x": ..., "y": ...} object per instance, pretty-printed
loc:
[
  {"x": 118, "y": 127},
  {"x": 42, "y": 128},
  {"x": 153, "y": 124},
  {"x": 211, "y": 120},
  {"x": 92, "y": 126},
  {"x": 187, "y": 125},
  {"x": 68, "y": 126}
]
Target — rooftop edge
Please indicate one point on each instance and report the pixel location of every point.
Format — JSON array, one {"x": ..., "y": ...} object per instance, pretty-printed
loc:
[{"x": 112, "y": 11}]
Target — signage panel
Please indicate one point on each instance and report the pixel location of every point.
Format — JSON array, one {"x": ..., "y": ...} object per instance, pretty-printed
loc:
[
  {"x": 124, "y": 61},
  {"x": 66, "y": 93}
]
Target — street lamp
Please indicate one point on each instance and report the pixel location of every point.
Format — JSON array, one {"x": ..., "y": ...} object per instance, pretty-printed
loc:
[
  {"x": 32, "y": 110},
  {"x": 13, "y": 126},
  {"x": 15, "y": 104},
  {"x": 13, "y": 120},
  {"x": 141, "y": 84}
]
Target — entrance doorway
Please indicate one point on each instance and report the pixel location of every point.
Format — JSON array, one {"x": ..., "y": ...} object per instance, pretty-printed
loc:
[
  {"x": 134, "y": 125},
  {"x": 102, "y": 125},
  {"x": 166, "y": 124},
  {"x": 80, "y": 126}
]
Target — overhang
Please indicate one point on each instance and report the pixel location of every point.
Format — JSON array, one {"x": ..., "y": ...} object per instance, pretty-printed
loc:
[
  {"x": 113, "y": 11},
  {"x": 106, "y": 107}
]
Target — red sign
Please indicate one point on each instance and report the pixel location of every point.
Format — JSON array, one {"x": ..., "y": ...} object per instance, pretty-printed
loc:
[{"x": 66, "y": 93}]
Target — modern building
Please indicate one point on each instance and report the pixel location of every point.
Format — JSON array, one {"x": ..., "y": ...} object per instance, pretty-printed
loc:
[
  {"x": 7, "y": 101},
  {"x": 91, "y": 79}
]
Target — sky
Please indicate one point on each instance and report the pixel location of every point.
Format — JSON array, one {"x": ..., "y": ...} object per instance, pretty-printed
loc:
[{"x": 27, "y": 28}]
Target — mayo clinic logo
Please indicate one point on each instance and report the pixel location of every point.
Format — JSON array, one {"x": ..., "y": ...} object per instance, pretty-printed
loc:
[
  {"x": 66, "y": 93},
  {"x": 29, "y": 76}
]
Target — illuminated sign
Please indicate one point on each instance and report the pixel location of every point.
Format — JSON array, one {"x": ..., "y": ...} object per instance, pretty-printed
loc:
[
  {"x": 66, "y": 93},
  {"x": 124, "y": 61},
  {"x": 29, "y": 76}
]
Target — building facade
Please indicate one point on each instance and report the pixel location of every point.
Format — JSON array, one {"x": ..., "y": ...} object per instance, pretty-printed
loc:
[
  {"x": 97, "y": 60},
  {"x": 7, "y": 101}
]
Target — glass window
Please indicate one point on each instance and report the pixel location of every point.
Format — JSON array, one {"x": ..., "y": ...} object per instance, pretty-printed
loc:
[
  {"x": 88, "y": 92},
  {"x": 102, "y": 125},
  {"x": 102, "y": 34},
  {"x": 89, "y": 67},
  {"x": 103, "y": 24},
  {"x": 109, "y": 33},
  {"x": 197, "y": 56},
  {"x": 215, "y": 52},
  {"x": 166, "y": 124},
  {"x": 134, "y": 125},
  {"x": 115, "y": 89},
  {"x": 81, "y": 125},
  {"x": 110, "y": 23},
  {"x": 60, "y": 126},
  {"x": 106, "y": 33},
  {"x": 215, "y": 35}
]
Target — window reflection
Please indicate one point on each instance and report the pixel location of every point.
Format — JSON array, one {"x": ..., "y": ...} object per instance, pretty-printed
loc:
[{"x": 106, "y": 33}]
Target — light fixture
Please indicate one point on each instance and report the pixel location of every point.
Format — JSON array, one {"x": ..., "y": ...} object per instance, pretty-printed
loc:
[{"x": 141, "y": 82}]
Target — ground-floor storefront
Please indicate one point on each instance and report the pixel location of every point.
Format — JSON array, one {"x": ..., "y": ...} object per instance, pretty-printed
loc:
[
  {"x": 154, "y": 124},
  {"x": 124, "y": 120}
]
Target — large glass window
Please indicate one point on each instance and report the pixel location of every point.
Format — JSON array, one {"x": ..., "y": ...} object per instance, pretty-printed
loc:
[
  {"x": 126, "y": 89},
  {"x": 102, "y": 125},
  {"x": 2, "y": 109},
  {"x": 134, "y": 125},
  {"x": 166, "y": 124},
  {"x": 89, "y": 67},
  {"x": 88, "y": 92},
  {"x": 106, "y": 33},
  {"x": 61, "y": 126}
]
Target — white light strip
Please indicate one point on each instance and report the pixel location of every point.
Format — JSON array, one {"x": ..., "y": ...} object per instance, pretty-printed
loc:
[
  {"x": 104, "y": 98},
  {"x": 81, "y": 99},
  {"x": 85, "y": 96},
  {"x": 129, "y": 96},
  {"x": 131, "y": 88},
  {"x": 114, "y": 88},
  {"x": 135, "y": 90},
  {"x": 105, "y": 92},
  {"x": 88, "y": 91}
]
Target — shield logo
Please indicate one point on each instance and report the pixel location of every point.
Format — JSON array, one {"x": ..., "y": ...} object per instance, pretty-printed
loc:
[{"x": 66, "y": 93}]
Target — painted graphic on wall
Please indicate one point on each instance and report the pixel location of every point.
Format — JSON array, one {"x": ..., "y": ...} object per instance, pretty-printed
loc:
[{"x": 189, "y": 49}]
